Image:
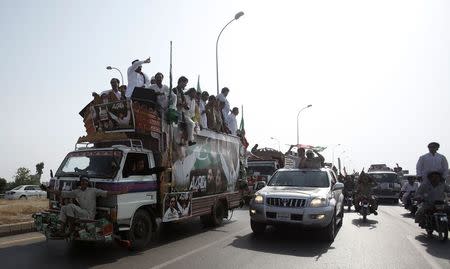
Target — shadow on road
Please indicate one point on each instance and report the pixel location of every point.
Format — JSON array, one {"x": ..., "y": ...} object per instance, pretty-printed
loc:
[
  {"x": 372, "y": 224},
  {"x": 435, "y": 247},
  {"x": 286, "y": 241},
  {"x": 60, "y": 254}
]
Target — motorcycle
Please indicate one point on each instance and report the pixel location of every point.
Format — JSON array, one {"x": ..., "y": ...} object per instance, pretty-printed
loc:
[
  {"x": 364, "y": 208},
  {"x": 411, "y": 204},
  {"x": 437, "y": 220},
  {"x": 349, "y": 200}
]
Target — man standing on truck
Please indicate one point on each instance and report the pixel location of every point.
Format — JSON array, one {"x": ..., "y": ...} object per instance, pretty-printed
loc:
[
  {"x": 136, "y": 78},
  {"x": 86, "y": 197},
  {"x": 431, "y": 162},
  {"x": 312, "y": 162}
]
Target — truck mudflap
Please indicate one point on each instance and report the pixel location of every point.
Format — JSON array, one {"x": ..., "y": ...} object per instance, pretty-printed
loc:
[{"x": 100, "y": 230}]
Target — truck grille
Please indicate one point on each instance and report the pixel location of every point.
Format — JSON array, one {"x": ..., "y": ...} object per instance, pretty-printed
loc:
[{"x": 285, "y": 202}]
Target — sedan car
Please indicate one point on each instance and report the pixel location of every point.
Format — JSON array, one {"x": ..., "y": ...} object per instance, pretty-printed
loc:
[
  {"x": 25, "y": 192},
  {"x": 303, "y": 197}
]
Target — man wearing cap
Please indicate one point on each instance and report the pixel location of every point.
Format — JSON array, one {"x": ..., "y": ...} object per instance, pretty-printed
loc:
[
  {"x": 312, "y": 162},
  {"x": 86, "y": 198},
  {"x": 431, "y": 162},
  {"x": 136, "y": 78}
]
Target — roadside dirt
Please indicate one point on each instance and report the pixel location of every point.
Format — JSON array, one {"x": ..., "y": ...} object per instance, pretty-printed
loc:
[{"x": 13, "y": 211}]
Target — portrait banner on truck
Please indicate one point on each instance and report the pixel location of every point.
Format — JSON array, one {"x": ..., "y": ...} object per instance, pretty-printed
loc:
[
  {"x": 177, "y": 205},
  {"x": 210, "y": 166},
  {"x": 113, "y": 117}
]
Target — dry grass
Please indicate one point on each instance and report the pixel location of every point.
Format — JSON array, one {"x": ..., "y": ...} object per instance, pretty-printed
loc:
[{"x": 13, "y": 211}]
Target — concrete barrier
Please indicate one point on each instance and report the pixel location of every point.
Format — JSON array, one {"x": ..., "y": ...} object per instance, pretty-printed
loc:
[{"x": 17, "y": 228}]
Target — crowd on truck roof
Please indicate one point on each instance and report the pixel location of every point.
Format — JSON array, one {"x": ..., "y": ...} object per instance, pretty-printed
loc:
[{"x": 195, "y": 109}]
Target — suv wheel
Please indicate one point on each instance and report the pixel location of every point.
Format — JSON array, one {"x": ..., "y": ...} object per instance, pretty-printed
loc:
[
  {"x": 23, "y": 197},
  {"x": 330, "y": 230},
  {"x": 257, "y": 227}
]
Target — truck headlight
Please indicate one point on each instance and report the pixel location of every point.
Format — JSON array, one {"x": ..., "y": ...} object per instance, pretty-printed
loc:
[
  {"x": 259, "y": 199},
  {"x": 318, "y": 202}
]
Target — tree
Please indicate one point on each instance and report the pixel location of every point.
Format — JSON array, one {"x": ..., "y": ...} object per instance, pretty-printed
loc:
[
  {"x": 39, "y": 169},
  {"x": 23, "y": 176},
  {"x": 3, "y": 185}
]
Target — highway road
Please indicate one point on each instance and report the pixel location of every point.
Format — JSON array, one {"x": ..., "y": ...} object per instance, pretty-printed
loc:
[{"x": 389, "y": 240}]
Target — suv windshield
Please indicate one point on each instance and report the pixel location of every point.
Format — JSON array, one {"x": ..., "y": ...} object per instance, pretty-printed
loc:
[
  {"x": 262, "y": 170},
  {"x": 309, "y": 179},
  {"x": 385, "y": 178},
  {"x": 95, "y": 164}
]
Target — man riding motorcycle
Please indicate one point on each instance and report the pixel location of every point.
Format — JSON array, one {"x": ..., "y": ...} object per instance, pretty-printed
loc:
[
  {"x": 410, "y": 186},
  {"x": 364, "y": 190},
  {"x": 428, "y": 193},
  {"x": 349, "y": 184}
]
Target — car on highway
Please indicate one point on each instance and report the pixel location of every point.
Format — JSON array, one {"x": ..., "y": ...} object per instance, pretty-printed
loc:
[
  {"x": 309, "y": 198},
  {"x": 25, "y": 192}
]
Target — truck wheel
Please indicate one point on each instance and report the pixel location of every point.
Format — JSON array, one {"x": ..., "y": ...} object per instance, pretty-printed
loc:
[
  {"x": 141, "y": 230},
  {"x": 330, "y": 230},
  {"x": 257, "y": 227},
  {"x": 217, "y": 214}
]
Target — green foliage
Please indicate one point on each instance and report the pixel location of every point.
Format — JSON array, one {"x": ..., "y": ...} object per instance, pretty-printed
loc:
[
  {"x": 3, "y": 185},
  {"x": 23, "y": 176}
]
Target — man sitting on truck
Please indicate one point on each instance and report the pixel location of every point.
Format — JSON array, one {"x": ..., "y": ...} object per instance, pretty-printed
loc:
[{"x": 86, "y": 198}]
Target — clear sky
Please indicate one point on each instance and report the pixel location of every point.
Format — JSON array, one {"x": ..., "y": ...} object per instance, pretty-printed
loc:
[{"x": 376, "y": 72}]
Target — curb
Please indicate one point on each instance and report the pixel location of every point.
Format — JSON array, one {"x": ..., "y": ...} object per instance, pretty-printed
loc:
[{"x": 17, "y": 228}]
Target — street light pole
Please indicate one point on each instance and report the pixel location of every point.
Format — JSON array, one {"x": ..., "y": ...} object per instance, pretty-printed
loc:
[
  {"x": 279, "y": 147},
  {"x": 236, "y": 17},
  {"x": 297, "y": 120},
  {"x": 332, "y": 153},
  {"x": 110, "y": 67}
]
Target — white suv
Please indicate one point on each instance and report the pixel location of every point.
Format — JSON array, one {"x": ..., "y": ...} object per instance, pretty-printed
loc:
[
  {"x": 303, "y": 197},
  {"x": 25, "y": 192}
]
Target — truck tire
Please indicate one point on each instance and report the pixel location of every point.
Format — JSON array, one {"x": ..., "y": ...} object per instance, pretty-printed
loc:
[
  {"x": 218, "y": 214},
  {"x": 141, "y": 230},
  {"x": 257, "y": 227}
]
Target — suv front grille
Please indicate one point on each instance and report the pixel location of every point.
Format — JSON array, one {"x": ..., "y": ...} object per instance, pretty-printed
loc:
[{"x": 285, "y": 202}]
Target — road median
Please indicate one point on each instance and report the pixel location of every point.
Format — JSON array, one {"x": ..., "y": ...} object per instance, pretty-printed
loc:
[{"x": 17, "y": 228}]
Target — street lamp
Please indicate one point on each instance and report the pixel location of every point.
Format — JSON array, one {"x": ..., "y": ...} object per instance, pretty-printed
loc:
[
  {"x": 236, "y": 17},
  {"x": 332, "y": 153},
  {"x": 279, "y": 148},
  {"x": 297, "y": 120},
  {"x": 110, "y": 67}
]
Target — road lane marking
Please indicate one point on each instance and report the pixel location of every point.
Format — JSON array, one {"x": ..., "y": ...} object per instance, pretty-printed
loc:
[
  {"x": 21, "y": 240},
  {"x": 197, "y": 250},
  {"x": 424, "y": 254}
]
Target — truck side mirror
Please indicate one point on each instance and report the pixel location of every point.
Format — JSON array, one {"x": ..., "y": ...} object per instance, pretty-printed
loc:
[{"x": 259, "y": 185}]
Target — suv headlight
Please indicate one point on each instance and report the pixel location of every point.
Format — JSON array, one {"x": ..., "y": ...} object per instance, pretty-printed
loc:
[
  {"x": 318, "y": 202},
  {"x": 259, "y": 199}
]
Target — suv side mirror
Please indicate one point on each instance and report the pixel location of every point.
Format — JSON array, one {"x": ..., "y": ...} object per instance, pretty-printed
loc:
[
  {"x": 338, "y": 186},
  {"x": 259, "y": 185}
]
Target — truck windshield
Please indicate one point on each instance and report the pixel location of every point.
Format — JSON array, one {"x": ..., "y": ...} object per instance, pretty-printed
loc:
[
  {"x": 385, "y": 178},
  {"x": 262, "y": 170},
  {"x": 95, "y": 164},
  {"x": 309, "y": 179}
]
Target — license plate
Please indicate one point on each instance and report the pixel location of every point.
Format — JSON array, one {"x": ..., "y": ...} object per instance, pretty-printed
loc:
[{"x": 283, "y": 216}]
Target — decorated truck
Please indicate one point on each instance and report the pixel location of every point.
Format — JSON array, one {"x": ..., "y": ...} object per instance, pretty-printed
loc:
[
  {"x": 131, "y": 145},
  {"x": 261, "y": 164}
]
